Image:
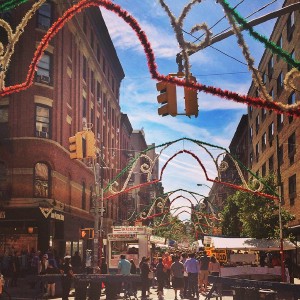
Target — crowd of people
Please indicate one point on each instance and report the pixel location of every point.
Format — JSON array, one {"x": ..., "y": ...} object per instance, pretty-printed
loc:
[
  {"x": 186, "y": 273},
  {"x": 14, "y": 265}
]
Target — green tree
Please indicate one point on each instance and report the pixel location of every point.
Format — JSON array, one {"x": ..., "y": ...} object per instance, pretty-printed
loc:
[{"x": 250, "y": 215}]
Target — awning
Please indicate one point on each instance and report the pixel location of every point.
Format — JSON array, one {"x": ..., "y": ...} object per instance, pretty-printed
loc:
[{"x": 250, "y": 244}]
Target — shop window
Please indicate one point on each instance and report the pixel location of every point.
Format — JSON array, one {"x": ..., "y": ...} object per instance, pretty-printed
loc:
[
  {"x": 42, "y": 121},
  {"x": 41, "y": 180},
  {"x": 44, "y": 16},
  {"x": 44, "y": 69},
  {"x": 292, "y": 189}
]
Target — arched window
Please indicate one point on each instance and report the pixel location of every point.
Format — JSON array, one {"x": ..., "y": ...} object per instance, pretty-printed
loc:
[{"x": 41, "y": 180}]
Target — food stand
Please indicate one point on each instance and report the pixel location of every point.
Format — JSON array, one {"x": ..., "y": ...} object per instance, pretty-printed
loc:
[{"x": 242, "y": 256}]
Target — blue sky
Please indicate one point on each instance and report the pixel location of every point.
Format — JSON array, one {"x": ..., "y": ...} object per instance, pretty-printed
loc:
[{"x": 218, "y": 118}]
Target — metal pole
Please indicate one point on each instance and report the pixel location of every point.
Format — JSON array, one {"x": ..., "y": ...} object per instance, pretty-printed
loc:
[
  {"x": 279, "y": 211},
  {"x": 96, "y": 220}
]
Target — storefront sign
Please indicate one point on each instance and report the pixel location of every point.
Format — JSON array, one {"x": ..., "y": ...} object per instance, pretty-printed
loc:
[
  {"x": 131, "y": 229},
  {"x": 57, "y": 216},
  {"x": 46, "y": 211},
  {"x": 121, "y": 237}
]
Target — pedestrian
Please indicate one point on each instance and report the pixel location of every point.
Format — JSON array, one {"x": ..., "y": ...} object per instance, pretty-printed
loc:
[
  {"x": 214, "y": 267},
  {"x": 51, "y": 269},
  {"x": 76, "y": 263},
  {"x": 161, "y": 278},
  {"x": 14, "y": 269},
  {"x": 145, "y": 270},
  {"x": 124, "y": 265},
  {"x": 133, "y": 268},
  {"x": 177, "y": 270},
  {"x": 167, "y": 262},
  {"x": 185, "y": 275},
  {"x": 67, "y": 271},
  {"x": 203, "y": 273},
  {"x": 192, "y": 268}
]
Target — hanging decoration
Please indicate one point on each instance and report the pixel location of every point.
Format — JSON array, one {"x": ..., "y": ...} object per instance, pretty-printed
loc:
[
  {"x": 13, "y": 38},
  {"x": 275, "y": 49},
  {"x": 9, "y": 4},
  {"x": 70, "y": 13}
]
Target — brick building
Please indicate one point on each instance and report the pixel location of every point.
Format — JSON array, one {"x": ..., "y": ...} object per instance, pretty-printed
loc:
[
  {"x": 45, "y": 197},
  {"x": 266, "y": 128}
]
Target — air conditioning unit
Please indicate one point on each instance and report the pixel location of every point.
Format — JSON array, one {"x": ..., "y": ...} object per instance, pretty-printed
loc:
[{"x": 43, "y": 79}]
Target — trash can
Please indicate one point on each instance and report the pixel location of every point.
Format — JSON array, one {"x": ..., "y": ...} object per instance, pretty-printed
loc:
[
  {"x": 267, "y": 294},
  {"x": 238, "y": 293}
]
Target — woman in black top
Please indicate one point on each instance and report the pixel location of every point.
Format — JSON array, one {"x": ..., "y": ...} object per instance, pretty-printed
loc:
[{"x": 145, "y": 270}]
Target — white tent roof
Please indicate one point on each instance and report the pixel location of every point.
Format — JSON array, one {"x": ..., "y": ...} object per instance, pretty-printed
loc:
[{"x": 250, "y": 244}]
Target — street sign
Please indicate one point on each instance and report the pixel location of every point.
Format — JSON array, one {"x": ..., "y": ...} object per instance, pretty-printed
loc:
[{"x": 92, "y": 210}]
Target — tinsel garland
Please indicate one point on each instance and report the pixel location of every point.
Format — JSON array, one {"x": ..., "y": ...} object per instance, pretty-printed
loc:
[
  {"x": 7, "y": 5},
  {"x": 268, "y": 44},
  {"x": 229, "y": 95}
]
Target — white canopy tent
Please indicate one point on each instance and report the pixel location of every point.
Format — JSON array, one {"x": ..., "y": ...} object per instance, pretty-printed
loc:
[{"x": 249, "y": 244}]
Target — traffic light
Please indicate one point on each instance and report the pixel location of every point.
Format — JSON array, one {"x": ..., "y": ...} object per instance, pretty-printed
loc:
[
  {"x": 90, "y": 144},
  {"x": 167, "y": 98},
  {"x": 191, "y": 100},
  {"x": 87, "y": 233},
  {"x": 76, "y": 146}
]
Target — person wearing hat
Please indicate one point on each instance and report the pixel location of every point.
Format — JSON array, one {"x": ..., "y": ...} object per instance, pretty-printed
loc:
[{"x": 67, "y": 271}]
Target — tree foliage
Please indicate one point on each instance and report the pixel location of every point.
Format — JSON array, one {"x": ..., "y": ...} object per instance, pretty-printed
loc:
[{"x": 249, "y": 215}]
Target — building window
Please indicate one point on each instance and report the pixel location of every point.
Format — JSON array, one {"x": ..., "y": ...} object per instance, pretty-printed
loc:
[
  {"x": 289, "y": 66},
  {"x": 42, "y": 121},
  {"x": 279, "y": 83},
  {"x": 264, "y": 141},
  {"x": 263, "y": 114},
  {"x": 291, "y": 101},
  {"x": 263, "y": 170},
  {"x": 290, "y": 26},
  {"x": 44, "y": 16},
  {"x": 280, "y": 155},
  {"x": 92, "y": 83},
  {"x": 292, "y": 189},
  {"x": 270, "y": 67},
  {"x": 279, "y": 122},
  {"x": 271, "y": 133},
  {"x": 41, "y": 180},
  {"x": 83, "y": 107},
  {"x": 271, "y": 164},
  {"x": 250, "y": 111},
  {"x": 4, "y": 114},
  {"x": 264, "y": 77},
  {"x": 43, "y": 72},
  {"x": 84, "y": 68},
  {"x": 257, "y": 123},
  {"x": 251, "y": 132},
  {"x": 257, "y": 152},
  {"x": 99, "y": 93},
  {"x": 83, "y": 196},
  {"x": 279, "y": 44},
  {"x": 93, "y": 117},
  {"x": 292, "y": 147}
]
